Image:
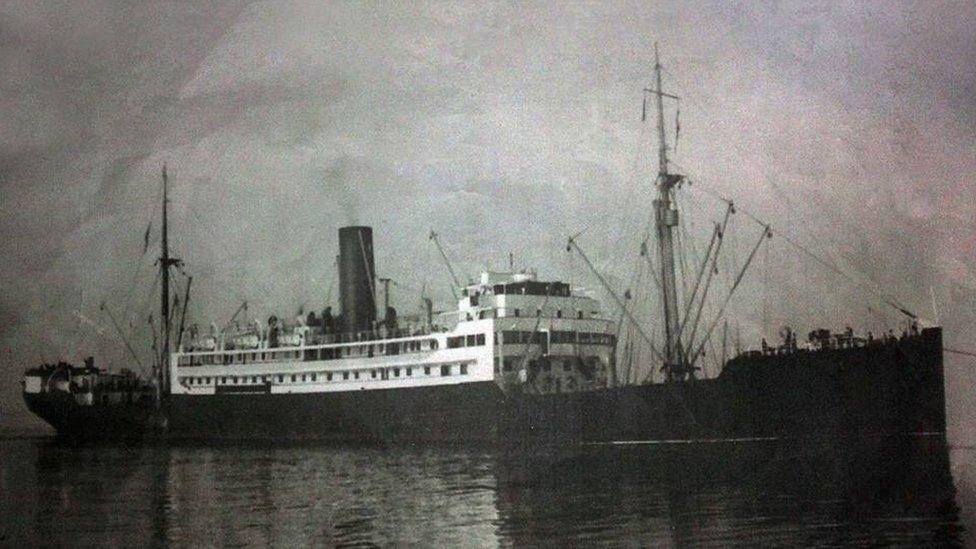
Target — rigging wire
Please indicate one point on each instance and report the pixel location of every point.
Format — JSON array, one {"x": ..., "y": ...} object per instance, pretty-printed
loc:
[
  {"x": 765, "y": 294},
  {"x": 767, "y": 233},
  {"x": 573, "y": 244},
  {"x": 634, "y": 284},
  {"x": 889, "y": 300},
  {"x": 959, "y": 352},
  {"x": 772, "y": 184}
]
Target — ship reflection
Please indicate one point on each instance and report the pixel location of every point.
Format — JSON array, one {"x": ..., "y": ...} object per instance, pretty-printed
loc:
[
  {"x": 894, "y": 492},
  {"x": 767, "y": 493}
]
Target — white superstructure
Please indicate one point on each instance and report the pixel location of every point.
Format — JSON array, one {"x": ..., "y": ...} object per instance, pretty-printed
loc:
[{"x": 521, "y": 333}]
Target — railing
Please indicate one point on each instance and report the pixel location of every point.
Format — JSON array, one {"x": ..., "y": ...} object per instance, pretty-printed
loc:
[{"x": 327, "y": 351}]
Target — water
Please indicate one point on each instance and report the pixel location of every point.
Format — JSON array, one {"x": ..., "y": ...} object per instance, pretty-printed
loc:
[{"x": 757, "y": 493}]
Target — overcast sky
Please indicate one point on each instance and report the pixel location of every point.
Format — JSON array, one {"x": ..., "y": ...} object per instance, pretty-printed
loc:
[{"x": 504, "y": 127}]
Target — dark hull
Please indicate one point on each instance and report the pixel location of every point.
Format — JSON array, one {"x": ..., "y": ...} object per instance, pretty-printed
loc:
[
  {"x": 861, "y": 392},
  {"x": 117, "y": 421}
]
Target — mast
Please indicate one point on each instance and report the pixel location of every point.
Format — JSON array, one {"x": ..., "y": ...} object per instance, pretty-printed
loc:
[
  {"x": 165, "y": 262},
  {"x": 666, "y": 218}
]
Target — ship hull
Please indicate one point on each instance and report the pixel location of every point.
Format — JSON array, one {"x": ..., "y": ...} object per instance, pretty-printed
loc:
[
  {"x": 896, "y": 388},
  {"x": 77, "y": 421}
]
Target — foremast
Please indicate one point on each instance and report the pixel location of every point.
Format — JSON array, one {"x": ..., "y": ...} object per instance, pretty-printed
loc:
[
  {"x": 665, "y": 219},
  {"x": 165, "y": 262}
]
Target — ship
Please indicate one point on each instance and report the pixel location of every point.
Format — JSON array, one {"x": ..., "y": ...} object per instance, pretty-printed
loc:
[{"x": 519, "y": 358}]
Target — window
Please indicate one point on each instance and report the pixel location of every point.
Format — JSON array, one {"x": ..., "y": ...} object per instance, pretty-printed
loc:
[
  {"x": 559, "y": 313},
  {"x": 480, "y": 339},
  {"x": 562, "y": 336},
  {"x": 516, "y": 311},
  {"x": 446, "y": 370},
  {"x": 579, "y": 314},
  {"x": 396, "y": 372},
  {"x": 281, "y": 379},
  {"x": 304, "y": 378},
  {"x": 328, "y": 376},
  {"x": 345, "y": 375},
  {"x": 254, "y": 379},
  {"x": 294, "y": 378},
  {"x": 455, "y": 342},
  {"x": 464, "y": 369},
  {"x": 409, "y": 371},
  {"x": 433, "y": 345},
  {"x": 372, "y": 374},
  {"x": 470, "y": 340},
  {"x": 426, "y": 370},
  {"x": 355, "y": 375},
  {"x": 208, "y": 380},
  {"x": 233, "y": 379}
]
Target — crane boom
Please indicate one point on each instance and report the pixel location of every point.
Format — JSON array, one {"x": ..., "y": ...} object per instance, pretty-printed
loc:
[{"x": 447, "y": 262}]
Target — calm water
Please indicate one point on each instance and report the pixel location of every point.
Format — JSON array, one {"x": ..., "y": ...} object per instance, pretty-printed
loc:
[{"x": 771, "y": 494}]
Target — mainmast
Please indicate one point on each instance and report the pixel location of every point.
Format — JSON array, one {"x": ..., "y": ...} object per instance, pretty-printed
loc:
[{"x": 666, "y": 217}]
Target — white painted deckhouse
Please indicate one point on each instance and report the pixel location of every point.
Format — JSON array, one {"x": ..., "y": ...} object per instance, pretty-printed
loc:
[{"x": 509, "y": 328}]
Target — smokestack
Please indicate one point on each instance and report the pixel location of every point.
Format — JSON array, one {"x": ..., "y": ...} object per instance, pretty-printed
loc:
[{"x": 356, "y": 279}]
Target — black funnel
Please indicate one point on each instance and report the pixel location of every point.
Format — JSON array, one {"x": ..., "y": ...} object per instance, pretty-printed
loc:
[{"x": 357, "y": 274}]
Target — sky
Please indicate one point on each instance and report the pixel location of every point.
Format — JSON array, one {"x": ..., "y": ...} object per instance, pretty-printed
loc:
[{"x": 504, "y": 127}]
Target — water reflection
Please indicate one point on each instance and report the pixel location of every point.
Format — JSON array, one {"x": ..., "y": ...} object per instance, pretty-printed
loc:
[
  {"x": 895, "y": 492},
  {"x": 892, "y": 492}
]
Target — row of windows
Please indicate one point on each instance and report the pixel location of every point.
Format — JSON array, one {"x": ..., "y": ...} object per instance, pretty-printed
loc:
[
  {"x": 557, "y": 337},
  {"x": 566, "y": 364},
  {"x": 470, "y": 340},
  {"x": 331, "y": 353},
  {"x": 538, "y": 312},
  {"x": 555, "y": 289},
  {"x": 494, "y": 313},
  {"x": 376, "y": 373}
]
